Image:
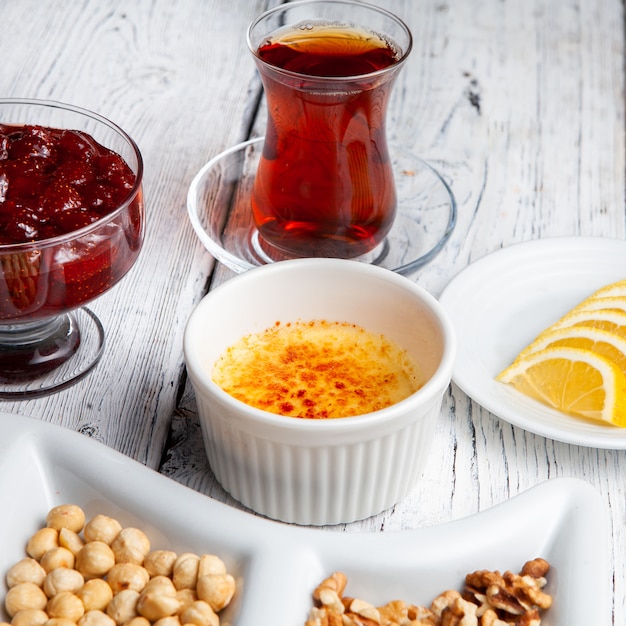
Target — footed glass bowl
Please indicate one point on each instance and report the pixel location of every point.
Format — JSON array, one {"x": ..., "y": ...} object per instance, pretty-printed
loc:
[{"x": 48, "y": 340}]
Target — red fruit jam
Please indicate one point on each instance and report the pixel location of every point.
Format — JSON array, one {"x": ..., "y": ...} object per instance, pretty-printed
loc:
[{"x": 54, "y": 182}]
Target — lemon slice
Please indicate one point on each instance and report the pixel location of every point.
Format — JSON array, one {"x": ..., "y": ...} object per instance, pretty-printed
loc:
[
  {"x": 602, "y": 342},
  {"x": 603, "y": 319},
  {"x": 614, "y": 289},
  {"x": 613, "y": 303},
  {"x": 572, "y": 380}
]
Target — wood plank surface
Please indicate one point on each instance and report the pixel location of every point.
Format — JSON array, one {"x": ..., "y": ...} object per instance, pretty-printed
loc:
[
  {"x": 520, "y": 106},
  {"x": 176, "y": 76}
]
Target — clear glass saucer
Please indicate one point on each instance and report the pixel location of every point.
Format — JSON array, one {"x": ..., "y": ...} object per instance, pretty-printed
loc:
[
  {"x": 219, "y": 209},
  {"x": 88, "y": 337}
]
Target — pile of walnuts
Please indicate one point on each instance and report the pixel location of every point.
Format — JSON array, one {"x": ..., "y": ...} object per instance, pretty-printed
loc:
[
  {"x": 488, "y": 599},
  {"x": 101, "y": 574}
]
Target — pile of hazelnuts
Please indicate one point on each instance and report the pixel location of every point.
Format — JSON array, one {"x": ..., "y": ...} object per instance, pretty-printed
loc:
[{"x": 102, "y": 574}]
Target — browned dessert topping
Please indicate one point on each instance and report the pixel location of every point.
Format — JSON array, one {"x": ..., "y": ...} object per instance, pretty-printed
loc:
[{"x": 317, "y": 369}]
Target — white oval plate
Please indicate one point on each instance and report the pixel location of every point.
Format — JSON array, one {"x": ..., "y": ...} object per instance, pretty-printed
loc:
[
  {"x": 500, "y": 303},
  {"x": 277, "y": 566}
]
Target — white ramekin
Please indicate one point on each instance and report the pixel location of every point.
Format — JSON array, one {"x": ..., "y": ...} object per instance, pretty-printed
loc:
[{"x": 319, "y": 472}]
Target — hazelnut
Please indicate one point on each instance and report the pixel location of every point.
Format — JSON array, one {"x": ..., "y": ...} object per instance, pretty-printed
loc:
[
  {"x": 95, "y": 559},
  {"x": 27, "y": 570},
  {"x": 95, "y": 594},
  {"x": 200, "y": 614},
  {"x": 123, "y": 606},
  {"x": 160, "y": 562},
  {"x": 66, "y": 516},
  {"x": 127, "y": 576},
  {"x": 43, "y": 540},
  {"x": 62, "y": 579},
  {"x": 102, "y": 528},
  {"x": 130, "y": 546},
  {"x": 57, "y": 557},
  {"x": 96, "y": 618},
  {"x": 29, "y": 617},
  {"x": 67, "y": 605},
  {"x": 24, "y": 596}
]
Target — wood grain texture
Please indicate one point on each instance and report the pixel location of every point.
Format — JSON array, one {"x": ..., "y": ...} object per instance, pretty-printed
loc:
[
  {"x": 520, "y": 105},
  {"x": 175, "y": 76}
]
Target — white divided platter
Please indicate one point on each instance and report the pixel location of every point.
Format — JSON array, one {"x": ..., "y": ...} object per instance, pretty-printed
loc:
[
  {"x": 277, "y": 566},
  {"x": 500, "y": 303}
]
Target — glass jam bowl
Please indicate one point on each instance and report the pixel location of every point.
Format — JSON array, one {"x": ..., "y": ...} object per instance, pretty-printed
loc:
[{"x": 77, "y": 243}]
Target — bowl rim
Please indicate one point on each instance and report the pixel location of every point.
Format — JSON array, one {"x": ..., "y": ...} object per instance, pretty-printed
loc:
[
  {"x": 132, "y": 194},
  {"x": 433, "y": 387}
]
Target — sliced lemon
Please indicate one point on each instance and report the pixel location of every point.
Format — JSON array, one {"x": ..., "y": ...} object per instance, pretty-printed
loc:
[
  {"x": 603, "y": 342},
  {"x": 572, "y": 380},
  {"x": 612, "y": 303},
  {"x": 614, "y": 289},
  {"x": 603, "y": 319}
]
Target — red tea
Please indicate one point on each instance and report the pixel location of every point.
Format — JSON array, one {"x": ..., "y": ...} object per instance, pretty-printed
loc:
[
  {"x": 327, "y": 50},
  {"x": 325, "y": 186}
]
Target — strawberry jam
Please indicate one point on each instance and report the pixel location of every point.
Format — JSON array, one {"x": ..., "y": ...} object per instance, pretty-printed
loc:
[{"x": 54, "y": 182}]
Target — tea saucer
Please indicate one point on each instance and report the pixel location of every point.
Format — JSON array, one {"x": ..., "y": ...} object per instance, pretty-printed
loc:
[
  {"x": 219, "y": 210},
  {"x": 501, "y": 302}
]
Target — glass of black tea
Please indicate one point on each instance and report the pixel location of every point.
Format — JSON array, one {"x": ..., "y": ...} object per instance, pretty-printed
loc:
[{"x": 325, "y": 185}]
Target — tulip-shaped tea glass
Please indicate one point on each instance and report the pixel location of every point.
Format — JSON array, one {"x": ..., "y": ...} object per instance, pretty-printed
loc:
[
  {"x": 71, "y": 226},
  {"x": 325, "y": 184}
]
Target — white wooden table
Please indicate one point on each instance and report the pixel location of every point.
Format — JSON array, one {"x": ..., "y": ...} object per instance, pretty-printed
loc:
[{"x": 519, "y": 103}]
